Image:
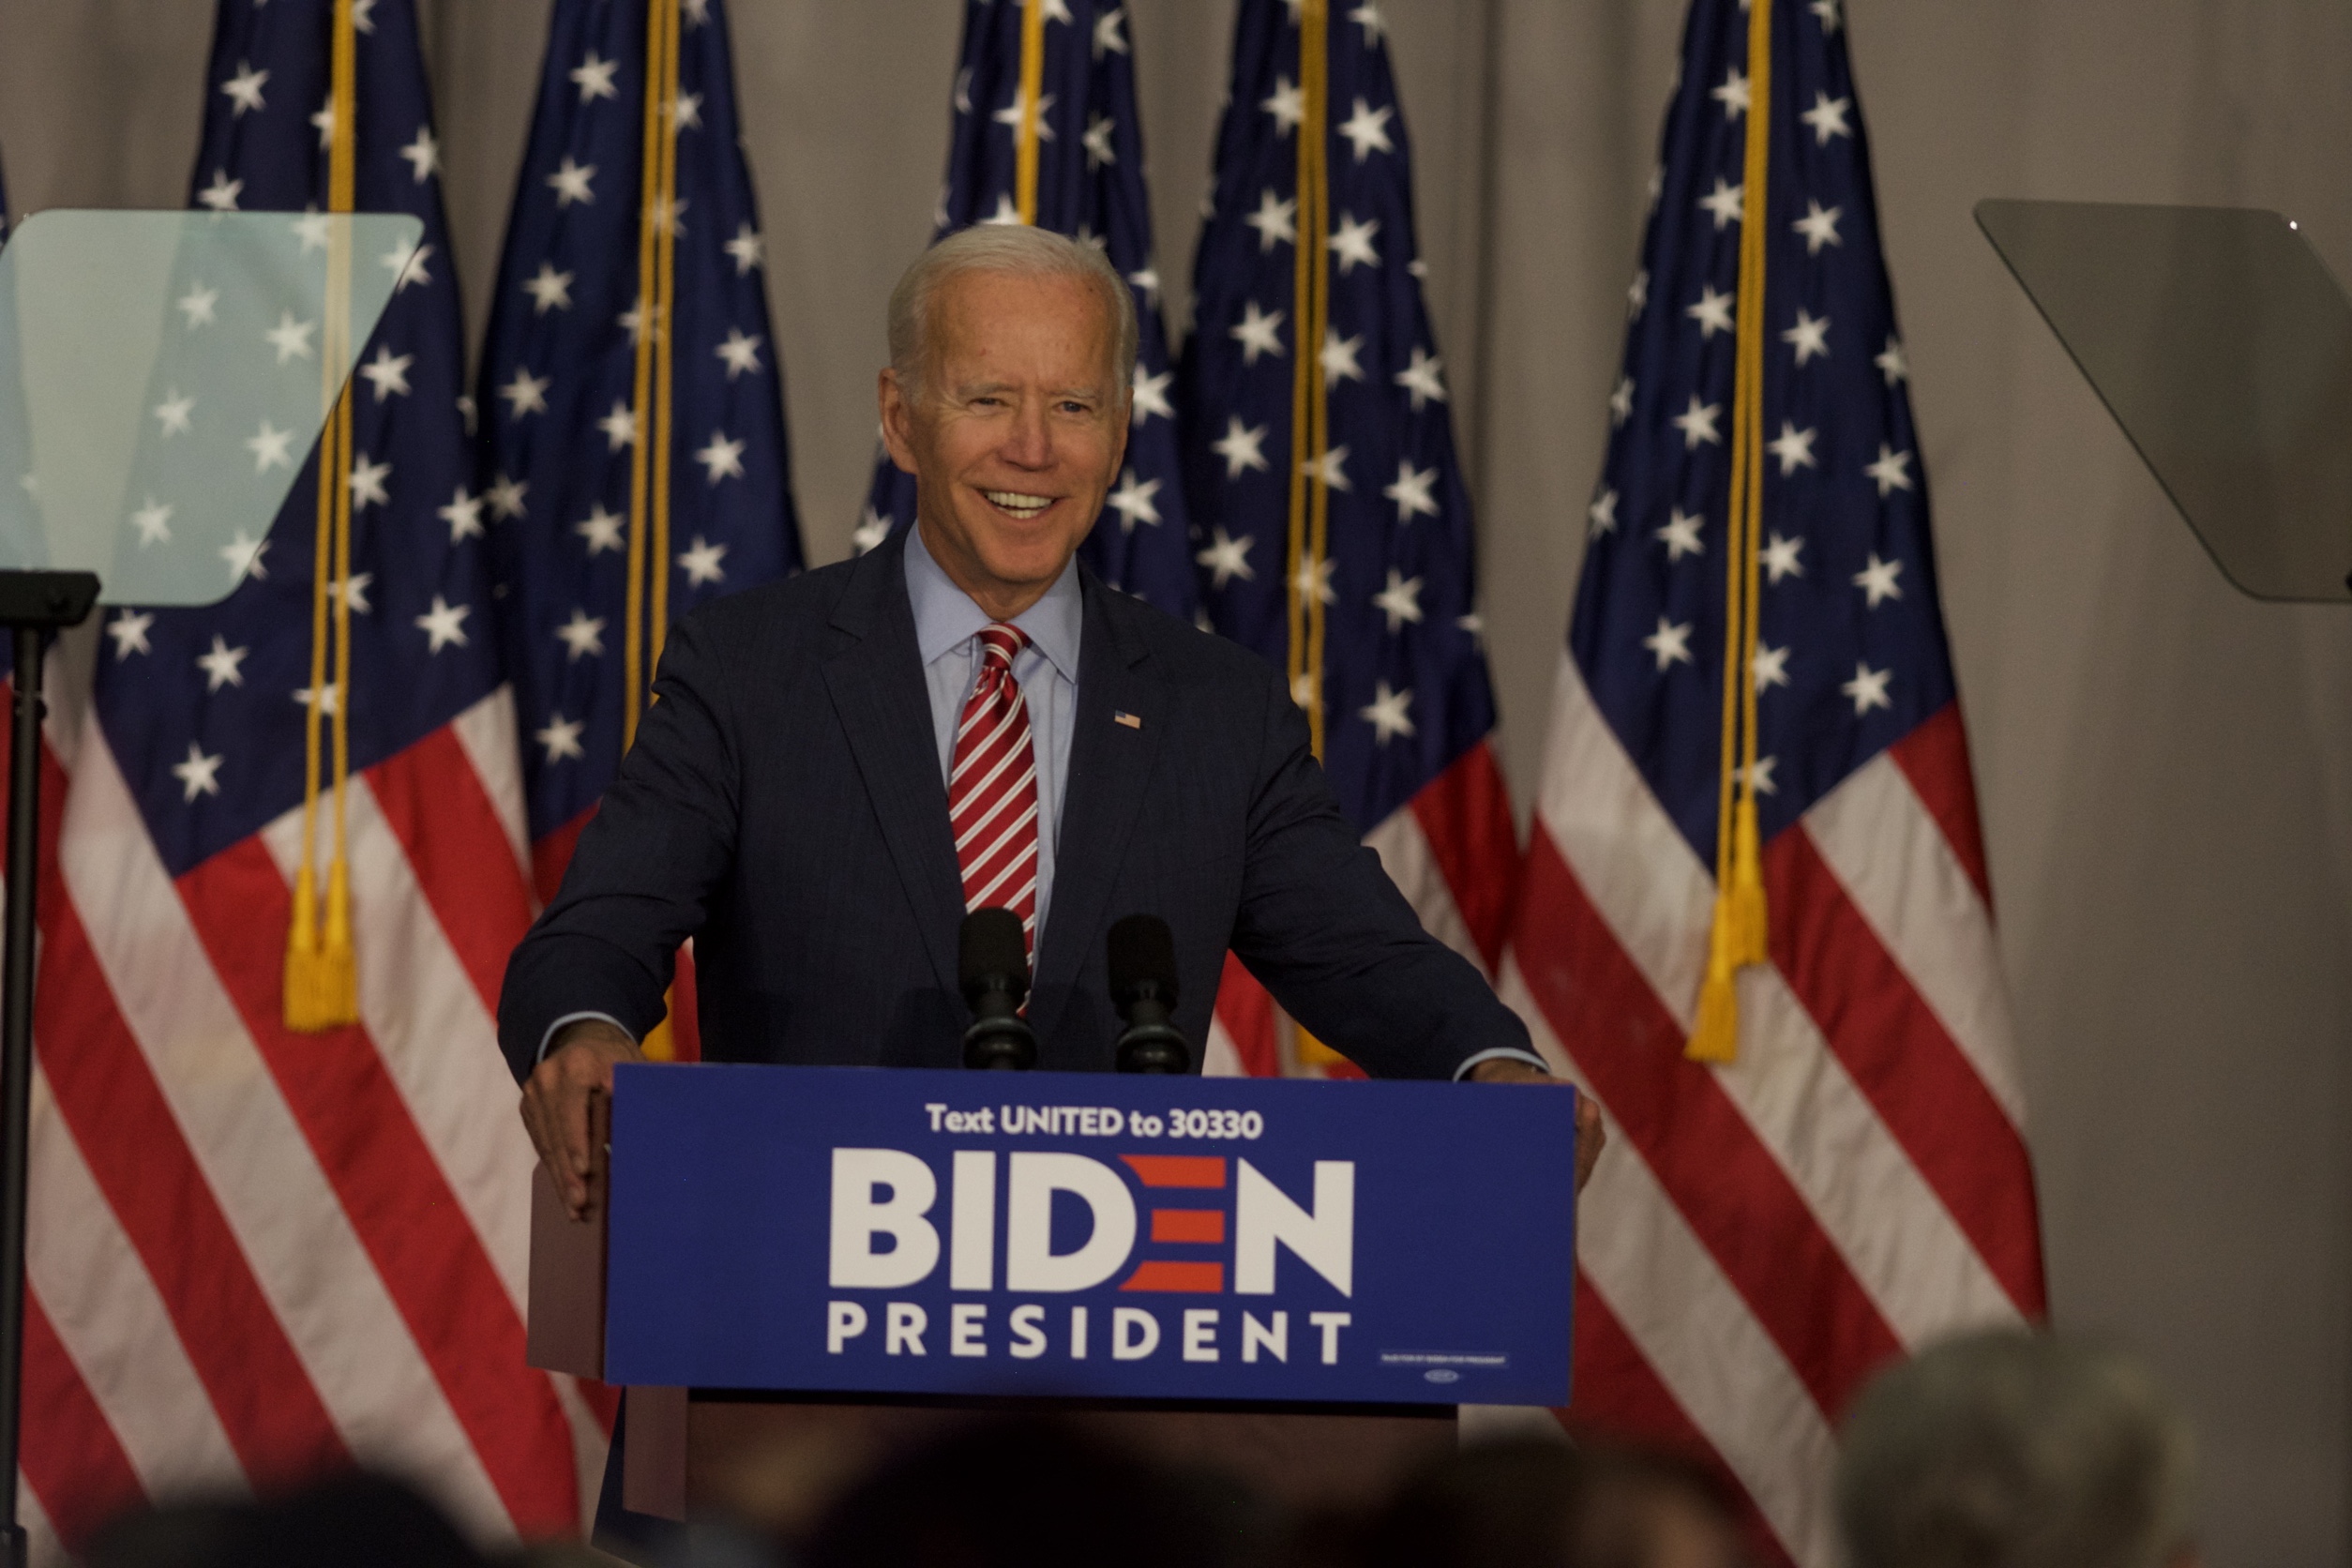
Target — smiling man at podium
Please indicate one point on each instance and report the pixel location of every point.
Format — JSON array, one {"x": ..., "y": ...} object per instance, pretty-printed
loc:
[{"x": 837, "y": 767}]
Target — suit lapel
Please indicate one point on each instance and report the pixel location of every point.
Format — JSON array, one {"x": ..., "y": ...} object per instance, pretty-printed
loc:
[
  {"x": 1109, "y": 763},
  {"x": 875, "y": 676}
]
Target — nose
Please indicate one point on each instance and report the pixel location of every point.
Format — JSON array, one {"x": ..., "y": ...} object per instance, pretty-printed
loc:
[{"x": 1029, "y": 443}]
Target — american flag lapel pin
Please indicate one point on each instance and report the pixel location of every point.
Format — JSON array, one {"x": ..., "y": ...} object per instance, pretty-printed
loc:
[{"x": 1120, "y": 715}]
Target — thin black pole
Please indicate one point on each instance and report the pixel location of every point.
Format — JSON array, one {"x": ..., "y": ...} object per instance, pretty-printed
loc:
[{"x": 16, "y": 1060}]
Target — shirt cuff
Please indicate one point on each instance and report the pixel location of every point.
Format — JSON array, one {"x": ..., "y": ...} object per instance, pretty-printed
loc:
[
  {"x": 549, "y": 1038},
  {"x": 1499, "y": 1053}
]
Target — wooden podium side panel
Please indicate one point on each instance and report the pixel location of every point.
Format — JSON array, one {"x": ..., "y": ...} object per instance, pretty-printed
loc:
[{"x": 565, "y": 1328}]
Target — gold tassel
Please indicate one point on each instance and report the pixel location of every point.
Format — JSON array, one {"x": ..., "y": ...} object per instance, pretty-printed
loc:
[
  {"x": 661, "y": 1041},
  {"x": 1751, "y": 930},
  {"x": 1716, "y": 1037}
]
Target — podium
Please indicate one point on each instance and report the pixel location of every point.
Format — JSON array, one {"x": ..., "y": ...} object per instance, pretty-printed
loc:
[{"x": 796, "y": 1272}]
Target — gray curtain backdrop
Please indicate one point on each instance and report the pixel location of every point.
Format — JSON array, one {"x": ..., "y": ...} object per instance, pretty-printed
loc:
[{"x": 2165, "y": 768}]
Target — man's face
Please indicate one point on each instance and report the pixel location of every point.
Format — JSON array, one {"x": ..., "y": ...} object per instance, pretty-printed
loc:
[{"x": 1017, "y": 433}]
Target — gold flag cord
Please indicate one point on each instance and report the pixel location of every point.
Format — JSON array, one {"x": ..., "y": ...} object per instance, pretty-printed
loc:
[
  {"x": 1738, "y": 935},
  {"x": 322, "y": 969},
  {"x": 1032, "y": 84},
  {"x": 1310, "y": 488}
]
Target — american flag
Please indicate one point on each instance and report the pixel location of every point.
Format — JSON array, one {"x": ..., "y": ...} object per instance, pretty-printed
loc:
[
  {"x": 1406, "y": 709},
  {"x": 1090, "y": 184},
  {"x": 562, "y": 421},
  {"x": 1761, "y": 1235},
  {"x": 255, "y": 1252}
]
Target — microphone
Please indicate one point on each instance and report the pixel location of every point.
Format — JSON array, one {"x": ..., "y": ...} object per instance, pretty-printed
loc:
[
  {"x": 992, "y": 963},
  {"x": 1143, "y": 988}
]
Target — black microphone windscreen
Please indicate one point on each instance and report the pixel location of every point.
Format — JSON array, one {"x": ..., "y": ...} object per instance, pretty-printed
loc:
[
  {"x": 1142, "y": 952},
  {"x": 990, "y": 947}
]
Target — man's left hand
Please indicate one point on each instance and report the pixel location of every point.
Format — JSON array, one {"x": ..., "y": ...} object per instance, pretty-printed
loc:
[{"x": 1590, "y": 1135}]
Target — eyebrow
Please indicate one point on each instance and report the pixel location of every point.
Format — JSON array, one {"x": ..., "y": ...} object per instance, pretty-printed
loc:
[{"x": 974, "y": 389}]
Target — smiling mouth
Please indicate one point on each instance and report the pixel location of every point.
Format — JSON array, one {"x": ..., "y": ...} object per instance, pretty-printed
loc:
[{"x": 1018, "y": 505}]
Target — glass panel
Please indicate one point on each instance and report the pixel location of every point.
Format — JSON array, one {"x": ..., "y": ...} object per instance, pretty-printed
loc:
[
  {"x": 2223, "y": 346},
  {"x": 163, "y": 376}
]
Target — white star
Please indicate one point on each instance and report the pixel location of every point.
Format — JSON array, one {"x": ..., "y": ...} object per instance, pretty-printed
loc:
[
  {"x": 360, "y": 21},
  {"x": 129, "y": 631},
  {"x": 1733, "y": 95},
  {"x": 506, "y": 497},
  {"x": 463, "y": 514},
  {"x": 244, "y": 90},
  {"x": 698, "y": 12},
  {"x": 220, "y": 665},
  {"x": 871, "y": 530},
  {"x": 197, "y": 304},
  {"x": 740, "y": 352},
  {"x": 746, "y": 248},
  {"x": 1891, "y": 470},
  {"x": 1388, "y": 712},
  {"x": 1332, "y": 470},
  {"x": 1256, "y": 332},
  {"x": 1681, "y": 535},
  {"x": 1227, "y": 558},
  {"x": 1892, "y": 364},
  {"x": 1723, "y": 202},
  {"x": 1793, "y": 448},
  {"x": 174, "y": 413},
  {"x": 1621, "y": 403},
  {"x": 466, "y": 410},
  {"x": 1422, "y": 378},
  {"x": 595, "y": 78},
  {"x": 423, "y": 154},
  {"x": 1366, "y": 130},
  {"x": 1107, "y": 34},
  {"x": 582, "y": 636},
  {"x": 220, "y": 195},
  {"x": 1759, "y": 777},
  {"x": 1273, "y": 221},
  {"x": 1637, "y": 295},
  {"x": 271, "y": 449},
  {"x": 1097, "y": 138},
  {"x": 1779, "y": 557},
  {"x": 326, "y": 702},
  {"x": 311, "y": 229},
  {"x": 1810, "y": 335},
  {"x": 722, "y": 458},
  {"x": 407, "y": 265},
  {"x": 561, "y": 737},
  {"x": 1697, "y": 424},
  {"x": 444, "y": 624},
  {"x": 633, "y": 320},
  {"x": 199, "y": 774},
  {"x": 526, "y": 393},
  {"x": 1877, "y": 580},
  {"x": 1827, "y": 11},
  {"x": 1288, "y": 105},
  {"x": 1007, "y": 214},
  {"x": 1151, "y": 397},
  {"x": 1010, "y": 115},
  {"x": 1148, "y": 282},
  {"x": 1827, "y": 118},
  {"x": 325, "y": 120},
  {"x": 666, "y": 213},
  {"x": 244, "y": 555},
  {"x": 1400, "y": 602},
  {"x": 1713, "y": 312},
  {"x": 355, "y": 592},
  {"x": 570, "y": 183},
  {"x": 1868, "y": 689},
  {"x": 1241, "y": 446},
  {"x": 1351, "y": 241},
  {"x": 367, "y": 483},
  {"x": 550, "y": 291},
  {"x": 154, "y": 522},
  {"x": 1303, "y": 691},
  {"x": 601, "y": 529},
  {"x": 290, "y": 337},
  {"x": 619, "y": 427},
  {"x": 1338, "y": 357},
  {"x": 1819, "y": 225},
  {"x": 1771, "y": 667},
  {"x": 1058, "y": 11},
  {"x": 685, "y": 110},
  {"x": 1314, "y": 579},
  {"x": 1670, "y": 643},
  {"x": 1133, "y": 502},
  {"x": 700, "y": 563},
  {"x": 1412, "y": 491},
  {"x": 1600, "y": 517},
  {"x": 387, "y": 372}
]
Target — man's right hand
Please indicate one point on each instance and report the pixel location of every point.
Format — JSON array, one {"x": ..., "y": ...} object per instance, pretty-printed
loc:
[{"x": 561, "y": 1104}]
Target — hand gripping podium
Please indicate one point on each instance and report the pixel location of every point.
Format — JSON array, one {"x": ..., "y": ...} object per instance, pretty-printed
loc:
[{"x": 1296, "y": 1280}]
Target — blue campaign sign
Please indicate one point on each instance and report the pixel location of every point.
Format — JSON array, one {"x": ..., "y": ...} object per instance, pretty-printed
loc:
[{"x": 1083, "y": 1235}]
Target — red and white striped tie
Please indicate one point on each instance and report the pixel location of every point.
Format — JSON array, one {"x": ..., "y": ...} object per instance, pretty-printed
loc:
[{"x": 992, "y": 789}]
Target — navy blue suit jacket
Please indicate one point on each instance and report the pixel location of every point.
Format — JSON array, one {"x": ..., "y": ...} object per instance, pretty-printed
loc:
[{"x": 783, "y": 805}]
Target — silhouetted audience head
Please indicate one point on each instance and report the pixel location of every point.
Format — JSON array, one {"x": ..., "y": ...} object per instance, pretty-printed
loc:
[
  {"x": 2015, "y": 1449},
  {"x": 346, "y": 1521},
  {"x": 1536, "y": 1504}
]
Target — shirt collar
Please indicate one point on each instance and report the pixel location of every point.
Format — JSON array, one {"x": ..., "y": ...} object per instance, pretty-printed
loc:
[{"x": 946, "y": 616}]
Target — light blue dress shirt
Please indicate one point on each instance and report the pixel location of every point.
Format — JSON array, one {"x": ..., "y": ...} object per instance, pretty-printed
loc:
[{"x": 946, "y": 638}]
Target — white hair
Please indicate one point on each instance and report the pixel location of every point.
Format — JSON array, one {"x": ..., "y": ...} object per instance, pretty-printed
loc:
[
  {"x": 1008, "y": 247},
  {"x": 2009, "y": 1449}
]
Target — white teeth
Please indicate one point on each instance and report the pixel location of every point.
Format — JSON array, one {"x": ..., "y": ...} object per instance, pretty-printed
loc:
[{"x": 1013, "y": 500}]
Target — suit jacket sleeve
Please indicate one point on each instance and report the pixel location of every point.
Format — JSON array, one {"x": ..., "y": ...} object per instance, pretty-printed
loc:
[
  {"x": 645, "y": 868},
  {"x": 1329, "y": 934}
]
